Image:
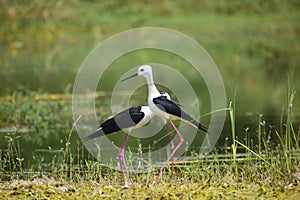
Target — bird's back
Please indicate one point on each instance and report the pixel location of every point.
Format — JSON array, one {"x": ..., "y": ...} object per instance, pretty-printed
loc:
[{"x": 126, "y": 119}]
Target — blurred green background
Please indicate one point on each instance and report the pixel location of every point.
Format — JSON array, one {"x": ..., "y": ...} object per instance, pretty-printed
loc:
[{"x": 255, "y": 45}]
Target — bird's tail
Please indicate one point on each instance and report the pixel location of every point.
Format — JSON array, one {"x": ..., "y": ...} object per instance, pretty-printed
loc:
[
  {"x": 193, "y": 122},
  {"x": 99, "y": 132},
  {"x": 200, "y": 126}
]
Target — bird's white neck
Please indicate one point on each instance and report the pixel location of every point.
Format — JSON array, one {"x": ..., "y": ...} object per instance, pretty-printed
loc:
[{"x": 152, "y": 90}]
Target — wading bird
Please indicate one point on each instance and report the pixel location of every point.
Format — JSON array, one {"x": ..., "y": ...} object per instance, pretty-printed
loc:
[
  {"x": 128, "y": 119},
  {"x": 165, "y": 108}
]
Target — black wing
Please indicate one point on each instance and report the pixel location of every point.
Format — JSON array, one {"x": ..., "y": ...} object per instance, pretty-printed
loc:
[
  {"x": 172, "y": 108},
  {"x": 125, "y": 119},
  {"x": 164, "y": 97}
]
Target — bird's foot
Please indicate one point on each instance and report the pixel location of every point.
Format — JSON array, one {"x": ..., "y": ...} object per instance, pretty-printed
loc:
[
  {"x": 171, "y": 176},
  {"x": 126, "y": 179},
  {"x": 126, "y": 184},
  {"x": 159, "y": 175}
]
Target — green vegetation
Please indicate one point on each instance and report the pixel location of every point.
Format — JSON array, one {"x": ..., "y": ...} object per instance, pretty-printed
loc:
[
  {"x": 265, "y": 170},
  {"x": 255, "y": 45}
]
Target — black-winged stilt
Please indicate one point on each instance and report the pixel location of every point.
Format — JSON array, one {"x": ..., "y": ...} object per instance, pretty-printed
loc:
[
  {"x": 128, "y": 119},
  {"x": 165, "y": 108}
]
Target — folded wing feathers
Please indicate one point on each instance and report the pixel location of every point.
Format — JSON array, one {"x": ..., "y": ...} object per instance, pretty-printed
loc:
[{"x": 172, "y": 108}]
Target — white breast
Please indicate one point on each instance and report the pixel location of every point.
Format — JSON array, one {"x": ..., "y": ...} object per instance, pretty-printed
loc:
[{"x": 148, "y": 115}]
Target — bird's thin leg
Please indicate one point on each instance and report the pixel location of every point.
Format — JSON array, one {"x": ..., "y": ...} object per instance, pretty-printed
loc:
[
  {"x": 172, "y": 147},
  {"x": 123, "y": 166},
  {"x": 172, "y": 154}
]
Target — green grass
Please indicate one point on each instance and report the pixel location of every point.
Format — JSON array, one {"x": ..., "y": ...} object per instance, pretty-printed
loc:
[{"x": 268, "y": 171}]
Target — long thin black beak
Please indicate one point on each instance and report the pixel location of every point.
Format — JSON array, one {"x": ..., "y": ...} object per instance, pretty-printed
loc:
[{"x": 130, "y": 77}]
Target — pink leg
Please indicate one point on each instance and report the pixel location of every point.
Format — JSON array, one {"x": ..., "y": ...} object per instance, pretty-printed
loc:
[
  {"x": 172, "y": 148},
  {"x": 121, "y": 156},
  {"x": 172, "y": 154}
]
